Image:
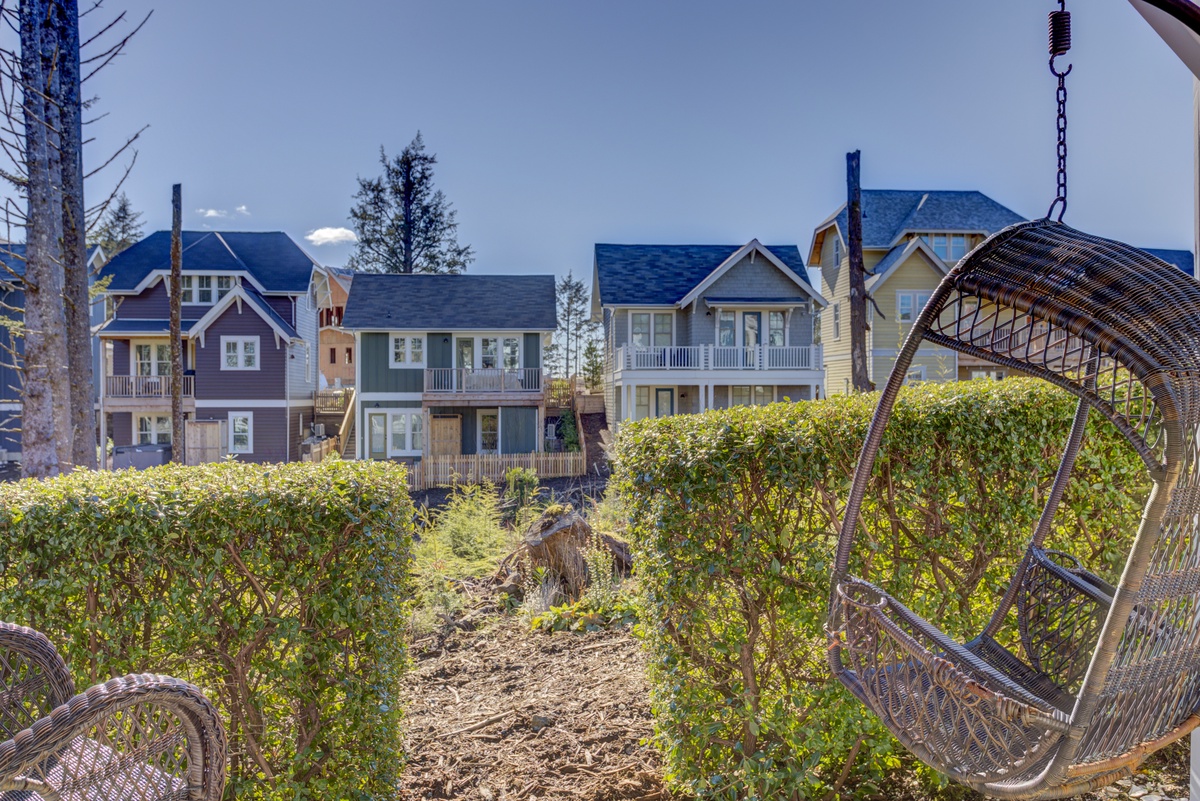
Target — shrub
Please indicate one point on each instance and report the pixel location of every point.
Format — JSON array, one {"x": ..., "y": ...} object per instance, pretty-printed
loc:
[
  {"x": 570, "y": 434},
  {"x": 520, "y": 488},
  {"x": 280, "y": 591},
  {"x": 733, "y": 522}
]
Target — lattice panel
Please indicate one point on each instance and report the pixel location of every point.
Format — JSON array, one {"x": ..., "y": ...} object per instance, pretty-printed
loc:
[{"x": 24, "y": 693}]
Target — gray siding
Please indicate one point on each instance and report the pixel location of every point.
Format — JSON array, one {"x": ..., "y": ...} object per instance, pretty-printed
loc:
[
  {"x": 266, "y": 383},
  {"x": 439, "y": 349},
  {"x": 518, "y": 429},
  {"x": 304, "y": 366},
  {"x": 377, "y": 374},
  {"x": 793, "y": 393}
]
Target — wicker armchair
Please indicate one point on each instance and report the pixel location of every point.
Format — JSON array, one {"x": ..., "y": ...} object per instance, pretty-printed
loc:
[{"x": 133, "y": 738}]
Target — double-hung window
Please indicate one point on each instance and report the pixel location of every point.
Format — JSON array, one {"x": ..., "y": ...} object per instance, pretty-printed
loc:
[
  {"x": 752, "y": 395},
  {"x": 512, "y": 353},
  {"x": 909, "y": 305},
  {"x": 651, "y": 329},
  {"x": 408, "y": 350},
  {"x": 187, "y": 282},
  {"x": 489, "y": 353},
  {"x": 199, "y": 289},
  {"x": 775, "y": 329},
  {"x": 241, "y": 432},
  {"x": 239, "y": 353},
  {"x": 224, "y": 285},
  {"x": 405, "y": 433},
  {"x": 204, "y": 289},
  {"x": 948, "y": 247}
]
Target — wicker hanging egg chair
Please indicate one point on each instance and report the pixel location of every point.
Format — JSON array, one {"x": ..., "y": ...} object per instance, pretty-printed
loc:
[{"x": 1104, "y": 675}]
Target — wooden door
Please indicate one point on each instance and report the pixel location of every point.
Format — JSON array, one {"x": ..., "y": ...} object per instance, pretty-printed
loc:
[{"x": 445, "y": 435}]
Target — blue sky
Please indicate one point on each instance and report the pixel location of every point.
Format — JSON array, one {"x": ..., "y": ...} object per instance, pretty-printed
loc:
[{"x": 560, "y": 123}]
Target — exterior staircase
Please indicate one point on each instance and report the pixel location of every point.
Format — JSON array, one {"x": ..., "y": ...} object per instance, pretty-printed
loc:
[{"x": 335, "y": 410}]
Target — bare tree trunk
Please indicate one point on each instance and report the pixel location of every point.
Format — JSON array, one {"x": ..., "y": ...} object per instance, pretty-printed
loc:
[
  {"x": 43, "y": 278},
  {"x": 74, "y": 248},
  {"x": 859, "y": 375},
  {"x": 176, "y": 328}
]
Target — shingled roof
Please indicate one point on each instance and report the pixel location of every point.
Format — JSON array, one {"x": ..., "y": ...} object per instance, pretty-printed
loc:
[
  {"x": 662, "y": 275},
  {"x": 451, "y": 302},
  {"x": 1183, "y": 259},
  {"x": 889, "y": 213},
  {"x": 270, "y": 257},
  {"x": 12, "y": 259}
]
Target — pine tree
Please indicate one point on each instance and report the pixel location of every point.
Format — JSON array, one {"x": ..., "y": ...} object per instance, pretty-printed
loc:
[
  {"x": 403, "y": 224},
  {"x": 593, "y": 364},
  {"x": 119, "y": 228},
  {"x": 574, "y": 322}
]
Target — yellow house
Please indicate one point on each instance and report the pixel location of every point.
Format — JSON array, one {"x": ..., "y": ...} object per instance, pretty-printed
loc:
[{"x": 910, "y": 240}]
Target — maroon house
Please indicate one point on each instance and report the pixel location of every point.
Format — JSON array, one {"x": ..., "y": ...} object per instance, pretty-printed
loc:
[{"x": 249, "y": 304}]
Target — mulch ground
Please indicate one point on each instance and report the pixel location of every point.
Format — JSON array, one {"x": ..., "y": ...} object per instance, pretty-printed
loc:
[{"x": 504, "y": 714}]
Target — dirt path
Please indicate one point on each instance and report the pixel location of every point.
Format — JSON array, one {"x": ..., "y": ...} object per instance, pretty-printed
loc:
[{"x": 503, "y": 714}]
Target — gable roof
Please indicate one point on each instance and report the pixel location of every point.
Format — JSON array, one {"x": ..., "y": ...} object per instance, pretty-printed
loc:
[
  {"x": 12, "y": 259},
  {"x": 1183, "y": 259},
  {"x": 451, "y": 302},
  {"x": 271, "y": 259},
  {"x": 897, "y": 256},
  {"x": 888, "y": 214},
  {"x": 663, "y": 275}
]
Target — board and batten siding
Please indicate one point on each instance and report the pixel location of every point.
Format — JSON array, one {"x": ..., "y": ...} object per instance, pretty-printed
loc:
[
  {"x": 265, "y": 383},
  {"x": 518, "y": 429},
  {"x": 439, "y": 350},
  {"x": 375, "y": 368},
  {"x": 533, "y": 350}
]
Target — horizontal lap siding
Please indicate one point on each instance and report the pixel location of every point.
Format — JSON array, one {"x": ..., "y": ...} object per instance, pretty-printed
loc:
[
  {"x": 265, "y": 383},
  {"x": 152, "y": 304},
  {"x": 270, "y": 431}
]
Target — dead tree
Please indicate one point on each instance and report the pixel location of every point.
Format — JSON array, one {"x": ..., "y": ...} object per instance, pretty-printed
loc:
[
  {"x": 77, "y": 304},
  {"x": 859, "y": 375},
  {"x": 176, "y": 327}
]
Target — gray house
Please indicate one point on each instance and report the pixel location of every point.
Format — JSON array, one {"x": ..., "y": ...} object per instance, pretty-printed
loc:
[
  {"x": 249, "y": 305},
  {"x": 449, "y": 365},
  {"x": 12, "y": 346},
  {"x": 694, "y": 327}
]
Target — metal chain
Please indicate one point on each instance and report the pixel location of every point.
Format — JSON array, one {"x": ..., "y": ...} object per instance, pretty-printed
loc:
[{"x": 1060, "y": 42}]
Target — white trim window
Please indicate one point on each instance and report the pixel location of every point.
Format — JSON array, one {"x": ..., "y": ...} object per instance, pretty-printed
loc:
[
  {"x": 224, "y": 285},
  {"x": 406, "y": 432},
  {"x": 241, "y": 432},
  {"x": 915, "y": 374},
  {"x": 651, "y": 329},
  {"x": 240, "y": 353},
  {"x": 408, "y": 350},
  {"x": 153, "y": 429},
  {"x": 776, "y": 329},
  {"x": 752, "y": 395},
  {"x": 948, "y": 247},
  {"x": 909, "y": 305},
  {"x": 198, "y": 290}
]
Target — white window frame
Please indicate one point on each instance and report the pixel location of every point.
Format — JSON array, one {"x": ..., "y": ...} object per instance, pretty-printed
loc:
[
  {"x": 241, "y": 352},
  {"x": 917, "y": 299},
  {"x": 154, "y": 432},
  {"x": 946, "y": 254},
  {"x": 249, "y": 436},
  {"x": 153, "y": 344},
  {"x": 479, "y": 430},
  {"x": 652, "y": 312},
  {"x": 190, "y": 286},
  {"x": 409, "y": 337},
  {"x": 409, "y": 416},
  {"x": 752, "y": 394},
  {"x": 915, "y": 373},
  {"x": 477, "y": 348}
]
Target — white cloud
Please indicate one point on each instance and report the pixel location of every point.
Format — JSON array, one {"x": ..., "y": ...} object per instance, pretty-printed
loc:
[
  {"x": 331, "y": 236},
  {"x": 210, "y": 213},
  {"x": 243, "y": 211}
]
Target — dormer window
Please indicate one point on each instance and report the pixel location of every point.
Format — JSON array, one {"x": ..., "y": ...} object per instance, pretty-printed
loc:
[{"x": 948, "y": 247}]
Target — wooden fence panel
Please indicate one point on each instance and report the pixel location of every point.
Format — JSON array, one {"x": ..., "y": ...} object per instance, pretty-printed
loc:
[{"x": 439, "y": 471}]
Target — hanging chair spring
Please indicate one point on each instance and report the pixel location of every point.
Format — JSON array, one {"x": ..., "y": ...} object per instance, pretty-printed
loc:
[{"x": 1060, "y": 33}]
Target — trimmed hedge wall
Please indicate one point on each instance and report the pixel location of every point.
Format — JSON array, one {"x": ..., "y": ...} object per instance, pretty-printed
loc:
[
  {"x": 280, "y": 591},
  {"x": 734, "y": 521}
]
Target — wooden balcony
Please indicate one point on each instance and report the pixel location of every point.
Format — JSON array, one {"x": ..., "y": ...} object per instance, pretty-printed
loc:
[
  {"x": 135, "y": 392},
  {"x": 497, "y": 386}
]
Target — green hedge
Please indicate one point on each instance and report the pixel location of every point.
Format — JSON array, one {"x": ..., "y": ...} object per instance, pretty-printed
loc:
[
  {"x": 281, "y": 591},
  {"x": 733, "y": 529}
]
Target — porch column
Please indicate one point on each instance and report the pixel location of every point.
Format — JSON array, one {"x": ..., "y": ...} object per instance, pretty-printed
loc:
[{"x": 103, "y": 427}]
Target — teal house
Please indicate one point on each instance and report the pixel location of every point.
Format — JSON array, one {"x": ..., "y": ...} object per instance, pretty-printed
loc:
[{"x": 449, "y": 365}]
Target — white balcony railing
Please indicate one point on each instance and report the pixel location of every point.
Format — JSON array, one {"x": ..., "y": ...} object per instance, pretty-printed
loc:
[
  {"x": 486, "y": 379},
  {"x": 713, "y": 357},
  {"x": 144, "y": 386}
]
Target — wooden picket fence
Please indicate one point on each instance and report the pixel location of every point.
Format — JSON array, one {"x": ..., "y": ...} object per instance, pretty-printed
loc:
[{"x": 440, "y": 471}]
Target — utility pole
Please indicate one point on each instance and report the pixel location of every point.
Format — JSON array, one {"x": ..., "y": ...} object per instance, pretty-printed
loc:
[
  {"x": 177, "y": 435},
  {"x": 859, "y": 376}
]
